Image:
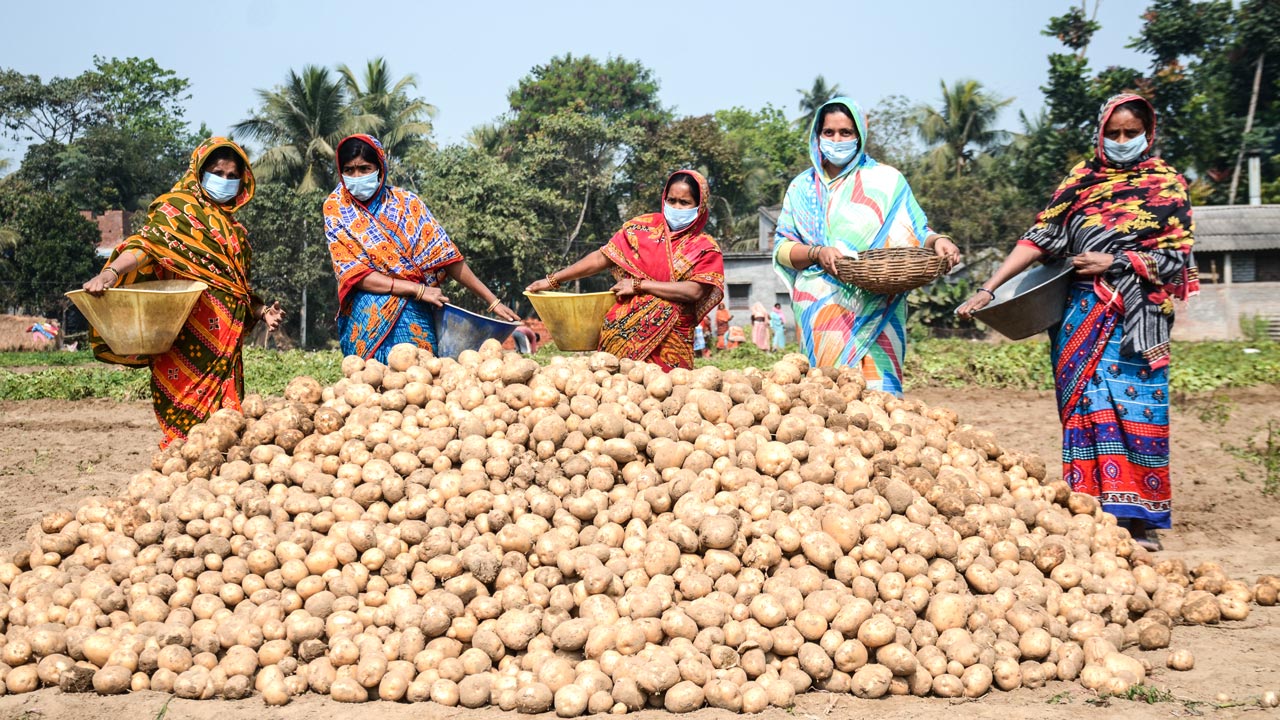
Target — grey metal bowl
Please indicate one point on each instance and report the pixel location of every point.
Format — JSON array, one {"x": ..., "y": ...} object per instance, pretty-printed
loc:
[
  {"x": 458, "y": 329},
  {"x": 1030, "y": 302}
]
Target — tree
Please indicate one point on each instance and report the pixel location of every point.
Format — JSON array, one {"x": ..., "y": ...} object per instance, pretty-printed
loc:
[
  {"x": 300, "y": 123},
  {"x": 616, "y": 90},
  {"x": 291, "y": 258},
  {"x": 890, "y": 126},
  {"x": 772, "y": 151},
  {"x": 404, "y": 121},
  {"x": 51, "y": 249},
  {"x": 814, "y": 98},
  {"x": 492, "y": 211},
  {"x": 964, "y": 122}
]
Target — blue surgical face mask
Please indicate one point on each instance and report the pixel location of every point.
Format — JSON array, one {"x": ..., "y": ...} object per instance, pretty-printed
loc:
[
  {"x": 679, "y": 218},
  {"x": 838, "y": 153},
  {"x": 1124, "y": 152},
  {"x": 220, "y": 190},
  {"x": 363, "y": 186}
]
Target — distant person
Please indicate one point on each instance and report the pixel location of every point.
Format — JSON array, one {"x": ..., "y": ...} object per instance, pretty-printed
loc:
[
  {"x": 707, "y": 335},
  {"x": 735, "y": 337},
  {"x": 390, "y": 257},
  {"x": 1123, "y": 217},
  {"x": 723, "y": 316},
  {"x": 759, "y": 326},
  {"x": 192, "y": 234},
  {"x": 699, "y": 342},
  {"x": 778, "y": 325},
  {"x": 526, "y": 340},
  {"x": 670, "y": 274},
  {"x": 847, "y": 203}
]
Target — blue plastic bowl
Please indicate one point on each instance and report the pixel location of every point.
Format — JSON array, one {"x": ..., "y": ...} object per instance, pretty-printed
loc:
[{"x": 458, "y": 330}]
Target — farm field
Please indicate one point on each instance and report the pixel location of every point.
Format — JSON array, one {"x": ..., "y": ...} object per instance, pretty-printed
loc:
[{"x": 54, "y": 452}]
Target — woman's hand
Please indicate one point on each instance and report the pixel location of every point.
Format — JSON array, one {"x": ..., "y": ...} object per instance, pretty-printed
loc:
[
  {"x": 539, "y": 285},
  {"x": 432, "y": 295},
  {"x": 1092, "y": 263},
  {"x": 273, "y": 315},
  {"x": 624, "y": 288},
  {"x": 827, "y": 258},
  {"x": 99, "y": 283},
  {"x": 980, "y": 299},
  {"x": 506, "y": 313},
  {"x": 948, "y": 251}
]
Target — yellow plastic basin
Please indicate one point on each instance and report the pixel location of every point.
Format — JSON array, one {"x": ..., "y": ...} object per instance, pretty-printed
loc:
[
  {"x": 143, "y": 318},
  {"x": 574, "y": 319}
]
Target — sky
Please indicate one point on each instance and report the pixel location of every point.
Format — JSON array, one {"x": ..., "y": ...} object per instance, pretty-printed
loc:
[{"x": 468, "y": 55}]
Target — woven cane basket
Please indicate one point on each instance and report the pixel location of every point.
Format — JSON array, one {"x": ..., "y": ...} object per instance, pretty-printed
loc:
[{"x": 890, "y": 271}]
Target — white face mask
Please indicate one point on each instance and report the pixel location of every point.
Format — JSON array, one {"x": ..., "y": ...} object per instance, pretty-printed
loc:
[
  {"x": 679, "y": 218},
  {"x": 1124, "y": 152},
  {"x": 362, "y": 186},
  {"x": 838, "y": 153},
  {"x": 219, "y": 189}
]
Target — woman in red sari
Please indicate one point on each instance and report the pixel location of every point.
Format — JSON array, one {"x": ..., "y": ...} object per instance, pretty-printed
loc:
[{"x": 669, "y": 276}]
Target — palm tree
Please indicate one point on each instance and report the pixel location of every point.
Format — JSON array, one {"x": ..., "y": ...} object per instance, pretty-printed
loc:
[
  {"x": 814, "y": 98},
  {"x": 405, "y": 121},
  {"x": 299, "y": 123},
  {"x": 963, "y": 123}
]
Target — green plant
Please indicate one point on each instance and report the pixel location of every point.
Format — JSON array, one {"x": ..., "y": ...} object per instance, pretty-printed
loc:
[
  {"x": 931, "y": 310},
  {"x": 1265, "y": 452},
  {"x": 1255, "y": 328},
  {"x": 1215, "y": 410},
  {"x": 1148, "y": 694}
]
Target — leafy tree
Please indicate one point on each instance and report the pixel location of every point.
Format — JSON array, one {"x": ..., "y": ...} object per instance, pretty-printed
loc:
[
  {"x": 773, "y": 151},
  {"x": 964, "y": 123},
  {"x": 493, "y": 211},
  {"x": 890, "y": 126},
  {"x": 814, "y": 98},
  {"x": 404, "y": 121},
  {"x": 51, "y": 249},
  {"x": 616, "y": 90},
  {"x": 56, "y": 111},
  {"x": 300, "y": 123},
  {"x": 291, "y": 259}
]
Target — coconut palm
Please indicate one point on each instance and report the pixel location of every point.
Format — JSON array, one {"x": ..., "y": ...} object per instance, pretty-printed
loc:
[
  {"x": 814, "y": 98},
  {"x": 964, "y": 123},
  {"x": 299, "y": 123},
  {"x": 405, "y": 120}
]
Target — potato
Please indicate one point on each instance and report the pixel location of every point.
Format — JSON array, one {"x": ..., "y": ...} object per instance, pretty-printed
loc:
[
  {"x": 872, "y": 681},
  {"x": 684, "y": 697},
  {"x": 1180, "y": 659}
]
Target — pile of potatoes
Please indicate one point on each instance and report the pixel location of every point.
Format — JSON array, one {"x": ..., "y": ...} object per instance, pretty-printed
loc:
[{"x": 591, "y": 536}]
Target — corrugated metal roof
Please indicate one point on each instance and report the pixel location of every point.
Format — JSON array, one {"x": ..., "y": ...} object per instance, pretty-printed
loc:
[{"x": 1223, "y": 228}]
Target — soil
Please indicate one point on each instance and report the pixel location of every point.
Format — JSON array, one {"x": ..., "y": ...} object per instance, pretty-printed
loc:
[{"x": 54, "y": 453}]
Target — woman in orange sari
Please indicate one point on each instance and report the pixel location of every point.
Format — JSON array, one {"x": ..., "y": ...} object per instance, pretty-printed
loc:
[
  {"x": 192, "y": 234},
  {"x": 669, "y": 275}
]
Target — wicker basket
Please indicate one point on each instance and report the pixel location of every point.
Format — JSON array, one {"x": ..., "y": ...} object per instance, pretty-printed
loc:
[{"x": 890, "y": 271}]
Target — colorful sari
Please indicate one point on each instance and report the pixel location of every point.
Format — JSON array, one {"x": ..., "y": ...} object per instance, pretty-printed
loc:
[
  {"x": 867, "y": 206},
  {"x": 647, "y": 327},
  {"x": 190, "y": 237},
  {"x": 1111, "y": 351},
  {"x": 393, "y": 233}
]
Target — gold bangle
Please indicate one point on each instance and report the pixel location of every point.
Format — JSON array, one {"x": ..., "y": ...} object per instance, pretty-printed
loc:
[
  {"x": 496, "y": 302},
  {"x": 638, "y": 285},
  {"x": 393, "y": 286},
  {"x": 116, "y": 273},
  {"x": 421, "y": 289},
  {"x": 551, "y": 278}
]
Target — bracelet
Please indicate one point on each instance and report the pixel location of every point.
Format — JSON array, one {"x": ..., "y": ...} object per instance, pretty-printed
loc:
[
  {"x": 393, "y": 286},
  {"x": 989, "y": 292},
  {"x": 114, "y": 272},
  {"x": 496, "y": 302},
  {"x": 637, "y": 285},
  {"x": 422, "y": 289},
  {"x": 813, "y": 253},
  {"x": 551, "y": 278}
]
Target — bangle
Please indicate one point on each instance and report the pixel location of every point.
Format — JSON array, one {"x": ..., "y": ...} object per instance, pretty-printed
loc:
[
  {"x": 496, "y": 302},
  {"x": 421, "y": 290},
  {"x": 393, "y": 286},
  {"x": 114, "y": 272},
  {"x": 813, "y": 253},
  {"x": 551, "y": 278},
  {"x": 637, "y": 285},
  {"x": 989, "y": 292}
]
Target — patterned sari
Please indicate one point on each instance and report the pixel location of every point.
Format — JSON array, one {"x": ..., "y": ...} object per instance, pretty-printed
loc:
[
  {"x": 188, "y": 236},
  {"x": 1111, "y": 351},
  {"x": 393, "y": 233},
  {"x": 646, "y": 327},
  {"x": 867, "y": 206}
]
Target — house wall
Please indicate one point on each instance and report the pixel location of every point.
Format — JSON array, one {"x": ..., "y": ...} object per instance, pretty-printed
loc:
[
  {"x": 1215, "y": 313},
  {"x": 755, "y": 270}
]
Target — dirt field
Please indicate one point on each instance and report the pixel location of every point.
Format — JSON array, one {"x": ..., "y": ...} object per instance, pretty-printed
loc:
[{"x": 53, "y": 453}]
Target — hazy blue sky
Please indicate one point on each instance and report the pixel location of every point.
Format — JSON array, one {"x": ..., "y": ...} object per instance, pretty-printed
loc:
[{"x": 467, "y": 55}]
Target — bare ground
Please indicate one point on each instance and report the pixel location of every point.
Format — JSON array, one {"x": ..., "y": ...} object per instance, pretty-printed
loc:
[{"x": 53, "y": 453}]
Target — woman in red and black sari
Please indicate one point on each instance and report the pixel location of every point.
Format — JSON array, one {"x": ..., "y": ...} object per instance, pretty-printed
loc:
[
  {"x": 192, "y": 234},
  {"x": 669, "y": 276},
  {"x": 1124, "y": 219}
]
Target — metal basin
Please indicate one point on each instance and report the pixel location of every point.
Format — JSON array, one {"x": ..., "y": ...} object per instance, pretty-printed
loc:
[
  {"x": 574, "y": 319},
  {"x": 142, "y": 318},
  {"x": 458, "y": 329},
  {"x": 1030, "y": 302}
]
